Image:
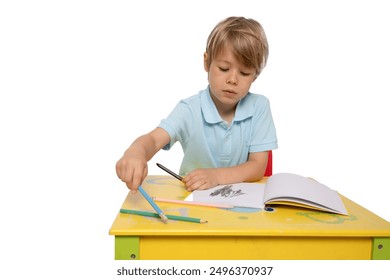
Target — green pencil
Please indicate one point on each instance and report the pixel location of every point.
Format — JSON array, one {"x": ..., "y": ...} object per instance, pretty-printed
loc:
[{"x": 171, "y": 217}]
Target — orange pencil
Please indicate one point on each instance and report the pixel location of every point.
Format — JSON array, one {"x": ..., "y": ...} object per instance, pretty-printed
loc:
[{"x": 192, "y": 203}]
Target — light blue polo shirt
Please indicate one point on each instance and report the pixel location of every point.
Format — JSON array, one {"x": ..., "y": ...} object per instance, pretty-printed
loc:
[{"x": 208, "y": 141}]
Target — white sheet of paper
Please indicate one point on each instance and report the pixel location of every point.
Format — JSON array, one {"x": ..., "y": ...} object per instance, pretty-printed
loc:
[
  {"x": 239, "y": 195},
  {"x": 293, "y": 187}
]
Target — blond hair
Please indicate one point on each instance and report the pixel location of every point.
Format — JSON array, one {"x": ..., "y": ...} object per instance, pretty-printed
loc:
[{"x": 247, "y": 39}]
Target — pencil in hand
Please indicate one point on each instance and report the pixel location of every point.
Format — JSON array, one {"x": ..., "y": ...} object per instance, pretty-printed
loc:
[{"x": 170, "y": 172}]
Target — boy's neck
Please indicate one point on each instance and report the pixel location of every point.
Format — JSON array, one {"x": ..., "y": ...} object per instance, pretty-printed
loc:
[
  {"x": 228, "y": 115},
  {"x": 226, "y": 112}
]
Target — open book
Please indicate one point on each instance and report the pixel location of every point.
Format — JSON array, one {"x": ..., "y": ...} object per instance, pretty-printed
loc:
[{"x": 281, "y": 188}]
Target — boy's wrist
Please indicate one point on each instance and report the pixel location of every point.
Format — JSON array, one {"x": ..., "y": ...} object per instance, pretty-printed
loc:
[{"x": 222, "y": 175}]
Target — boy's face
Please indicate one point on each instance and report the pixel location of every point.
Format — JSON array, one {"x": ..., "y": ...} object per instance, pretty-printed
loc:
[{"x": 229, "y": 80}]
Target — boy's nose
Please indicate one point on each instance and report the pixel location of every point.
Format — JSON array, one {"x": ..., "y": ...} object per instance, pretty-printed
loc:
[{"x": 232, "y": 79}]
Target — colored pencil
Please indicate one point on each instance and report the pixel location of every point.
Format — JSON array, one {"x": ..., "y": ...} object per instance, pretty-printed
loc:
[
  {"x": 154, "y": 205},
  {"x": 171, "y": 217},
  {"x": 170, "y": 172},
  {"x": 192, "y": 203}
]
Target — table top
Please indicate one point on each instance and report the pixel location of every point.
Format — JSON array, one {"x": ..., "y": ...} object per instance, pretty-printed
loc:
[{"x": 277, "y": 221}]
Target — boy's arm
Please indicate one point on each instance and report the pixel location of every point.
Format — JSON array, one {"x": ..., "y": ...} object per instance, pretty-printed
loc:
[
  {"x": 132, "y": 168},
  {"x": 250, "y": 171}
]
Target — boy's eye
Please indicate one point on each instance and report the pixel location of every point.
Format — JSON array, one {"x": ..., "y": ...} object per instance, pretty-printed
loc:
[{"x": 223, "y": 69}]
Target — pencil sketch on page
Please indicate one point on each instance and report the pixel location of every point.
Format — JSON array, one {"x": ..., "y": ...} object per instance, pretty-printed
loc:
[
  {"x": 240, "y": 195},
  {"x": 227, "y": 191}
]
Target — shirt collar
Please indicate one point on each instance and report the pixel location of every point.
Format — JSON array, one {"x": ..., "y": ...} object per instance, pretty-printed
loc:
[{"x": 244, "y": 108}]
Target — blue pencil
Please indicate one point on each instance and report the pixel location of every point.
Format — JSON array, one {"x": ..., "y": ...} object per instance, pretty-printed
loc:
[{"x": 154, "y": 205}]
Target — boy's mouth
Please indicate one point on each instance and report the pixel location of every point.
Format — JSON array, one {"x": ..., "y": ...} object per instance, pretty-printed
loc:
[{"x": 229, "y": 92}]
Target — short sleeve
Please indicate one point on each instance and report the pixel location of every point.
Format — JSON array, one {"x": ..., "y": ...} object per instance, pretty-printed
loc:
[
  {"x": 177, "y": 124},
  {"x": 263, "y": 135}
]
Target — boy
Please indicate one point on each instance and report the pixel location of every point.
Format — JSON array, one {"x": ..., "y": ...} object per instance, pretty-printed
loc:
[{"x": 225, "y": 131}]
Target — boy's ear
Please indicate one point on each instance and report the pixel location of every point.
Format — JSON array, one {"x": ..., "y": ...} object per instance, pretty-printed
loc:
[{"x": 205, "y": 62}]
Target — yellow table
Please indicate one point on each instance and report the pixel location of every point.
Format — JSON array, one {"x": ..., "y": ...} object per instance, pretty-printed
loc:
[{"x": 281, "y": 233}]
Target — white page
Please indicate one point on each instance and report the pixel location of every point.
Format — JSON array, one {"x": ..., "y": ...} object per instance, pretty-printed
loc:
[
  {"x": 239, "y": 195},
  {"x": 289, "y": 186}
]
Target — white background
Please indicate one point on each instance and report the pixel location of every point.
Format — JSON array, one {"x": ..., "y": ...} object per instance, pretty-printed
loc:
[{"x": 80, "y": 80}]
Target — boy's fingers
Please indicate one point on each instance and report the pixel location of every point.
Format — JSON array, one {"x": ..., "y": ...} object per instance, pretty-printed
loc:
[{"x": 137, "y": 179}]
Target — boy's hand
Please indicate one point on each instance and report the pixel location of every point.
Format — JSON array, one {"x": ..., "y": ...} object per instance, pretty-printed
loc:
[
  {"x": 201, "y": 179},
  {"x": 132, "y": 170}
]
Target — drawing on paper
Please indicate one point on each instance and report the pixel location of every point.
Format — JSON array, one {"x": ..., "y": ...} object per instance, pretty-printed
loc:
[
  {"x": 227, "y": 191},
  {"x": 238, "y": 195}
]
